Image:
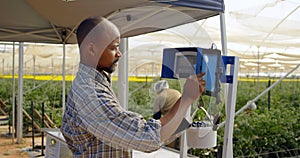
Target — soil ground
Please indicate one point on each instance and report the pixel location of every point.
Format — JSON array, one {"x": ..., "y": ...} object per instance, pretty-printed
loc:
[{"x": 8, "y": 149}]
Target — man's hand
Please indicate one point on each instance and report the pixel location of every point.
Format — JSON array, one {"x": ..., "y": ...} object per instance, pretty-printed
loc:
[{"x": 193, "y": 87}]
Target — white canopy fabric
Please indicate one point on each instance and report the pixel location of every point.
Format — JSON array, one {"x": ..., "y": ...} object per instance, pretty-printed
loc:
[
  {"x": 55, "y": 21},
  {"x": 263, "y": 33}
]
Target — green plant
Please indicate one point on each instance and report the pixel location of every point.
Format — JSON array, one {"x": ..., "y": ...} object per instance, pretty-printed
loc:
[{"x": 266, "y": 129}]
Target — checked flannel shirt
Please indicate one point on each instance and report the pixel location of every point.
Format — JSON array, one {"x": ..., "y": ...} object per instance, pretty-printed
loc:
[{"x": 95, "y": 125}]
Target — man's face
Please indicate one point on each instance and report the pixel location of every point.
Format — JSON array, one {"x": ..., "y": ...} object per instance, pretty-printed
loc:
[{"x": 110, "y": 57}]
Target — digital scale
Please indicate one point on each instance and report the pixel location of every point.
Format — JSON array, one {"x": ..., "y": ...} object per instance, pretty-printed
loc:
[{"x": 180, "y": 63}]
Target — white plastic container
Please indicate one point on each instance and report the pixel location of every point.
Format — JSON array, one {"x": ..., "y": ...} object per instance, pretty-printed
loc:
[{"x": 201, "y": 137}]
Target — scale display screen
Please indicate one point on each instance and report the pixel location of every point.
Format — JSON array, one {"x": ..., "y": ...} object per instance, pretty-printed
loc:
[{"x": 183, "y": 62}]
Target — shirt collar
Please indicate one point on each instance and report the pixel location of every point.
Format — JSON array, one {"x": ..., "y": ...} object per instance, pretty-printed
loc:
[{"x": 93, "y": 73}]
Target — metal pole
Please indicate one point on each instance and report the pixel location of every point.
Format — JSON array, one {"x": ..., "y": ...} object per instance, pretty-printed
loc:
[
  {"x": 43, "y": 122},
  {"x": 260, "y": 95},
  {"x": 223, "y": 33},
  {"x": 64, "y": 78},
  {"x": 269, "y": 96},
  {"x": 13, "y": 94},
  {"x": 224, "y": 48},
  {"x": 258, "y": 57},
  {"x": 52, "y": 65},
  {"x": 123, "y": 74},
  {"x": 33, "y": 58},
  {"x": 183, "y": 139},
  {"x": 230, "y": 111},
  {"x": 3, "y": 65},
  {"x": 32, "y": 122},
  {"x": 20, "y": 95}
]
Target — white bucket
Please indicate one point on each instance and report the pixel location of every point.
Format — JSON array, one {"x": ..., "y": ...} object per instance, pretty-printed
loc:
[{"x": 201, "y": 137}]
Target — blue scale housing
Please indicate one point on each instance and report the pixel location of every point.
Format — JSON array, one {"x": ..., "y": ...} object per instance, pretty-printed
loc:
[{"x": 183, "y": 62}]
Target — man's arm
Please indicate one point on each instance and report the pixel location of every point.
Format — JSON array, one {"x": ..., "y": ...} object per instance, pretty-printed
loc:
[{"x": 193, "y": 88}]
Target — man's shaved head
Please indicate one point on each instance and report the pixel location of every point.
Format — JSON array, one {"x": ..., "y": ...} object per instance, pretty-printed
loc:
[{"x": 94, "y": 35}]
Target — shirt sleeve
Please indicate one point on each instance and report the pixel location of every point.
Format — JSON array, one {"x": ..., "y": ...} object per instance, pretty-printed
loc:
[{"x": 102, "y": 115}]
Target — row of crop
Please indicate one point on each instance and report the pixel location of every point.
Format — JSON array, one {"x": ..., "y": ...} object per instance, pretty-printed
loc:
[{"x": 273, "y": 126}]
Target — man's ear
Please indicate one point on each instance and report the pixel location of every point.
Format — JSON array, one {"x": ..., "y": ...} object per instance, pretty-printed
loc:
[{"x": 91, "y": 49}]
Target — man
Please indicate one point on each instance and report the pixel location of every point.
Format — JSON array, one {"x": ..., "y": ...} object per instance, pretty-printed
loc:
[{"x": 94, "y": 123}]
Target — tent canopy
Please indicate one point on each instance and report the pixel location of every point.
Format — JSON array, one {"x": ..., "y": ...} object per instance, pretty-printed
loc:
[
  {"x": 263, "y": 33},
  {"x": 56, "y": 21}
]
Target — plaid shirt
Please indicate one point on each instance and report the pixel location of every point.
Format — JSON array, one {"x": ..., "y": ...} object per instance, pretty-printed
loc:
[{"x": 95, "y": 125}]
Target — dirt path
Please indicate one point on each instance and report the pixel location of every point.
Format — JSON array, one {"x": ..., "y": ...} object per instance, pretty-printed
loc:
[{"x": 10, "y": 150}]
